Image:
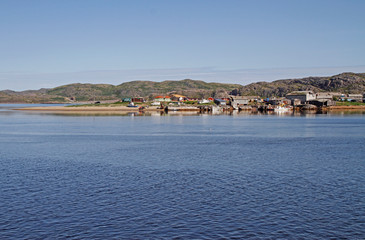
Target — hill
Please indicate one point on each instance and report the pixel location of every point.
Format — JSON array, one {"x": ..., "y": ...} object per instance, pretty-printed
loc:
[
  {"x": 97, "y": 92},
  {"x": 344, "y": 83}
]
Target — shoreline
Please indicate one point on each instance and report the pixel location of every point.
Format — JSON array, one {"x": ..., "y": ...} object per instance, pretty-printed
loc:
[
  {"x": 87, "y": 109},
  {"x": 125, "y": 109},
  {"x": 359, "y": 107}
]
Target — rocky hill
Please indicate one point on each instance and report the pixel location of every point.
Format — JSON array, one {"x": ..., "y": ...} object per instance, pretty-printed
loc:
[{"x": 344, "y": 83}]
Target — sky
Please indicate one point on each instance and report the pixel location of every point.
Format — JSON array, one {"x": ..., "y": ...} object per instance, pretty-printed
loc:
[{"x": 47, "y": 43}]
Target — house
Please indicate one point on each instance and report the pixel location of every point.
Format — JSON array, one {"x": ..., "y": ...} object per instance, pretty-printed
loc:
[
  {"x": 303, "y": 96},
  {"x": 245, "y": 99},
  {"x": 163, "y": 99},
  {"x": 220, "y": 102},
  {"x": 138, "y": 99},
  {"x": 178, "y": 97},
  {"x": 324, "y": 96},
  {"x": 278, "y": 101},
  {"x": 355, "y": 97},
  {"x": 322, "y": 102},
  {"x": 296, "y": 102},
  {"x": 127, "y": 99},
  {"x": 204, "y": 101},
  {"x": 237, "y": 101}
]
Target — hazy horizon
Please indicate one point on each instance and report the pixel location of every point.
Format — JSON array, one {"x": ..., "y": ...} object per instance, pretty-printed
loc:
[{"x": 243, "y": 76}]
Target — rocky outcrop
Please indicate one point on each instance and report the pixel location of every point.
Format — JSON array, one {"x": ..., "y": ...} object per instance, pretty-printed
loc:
[{"x": 348, "y": 83}]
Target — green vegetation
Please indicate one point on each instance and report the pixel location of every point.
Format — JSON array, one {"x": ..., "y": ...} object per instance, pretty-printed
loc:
[
  {"x": 349, "y": 104},
  {"x": 191, "y": 102}
]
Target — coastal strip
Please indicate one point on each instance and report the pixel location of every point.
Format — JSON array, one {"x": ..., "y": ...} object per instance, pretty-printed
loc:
[{"x": 105, "y": 109}]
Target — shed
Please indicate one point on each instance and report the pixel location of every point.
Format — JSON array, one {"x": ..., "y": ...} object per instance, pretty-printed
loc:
[{"x": 220, "y": 102}]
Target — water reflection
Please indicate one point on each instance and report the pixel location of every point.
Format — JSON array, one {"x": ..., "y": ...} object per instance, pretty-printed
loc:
[{"x": 10, "y": 109}]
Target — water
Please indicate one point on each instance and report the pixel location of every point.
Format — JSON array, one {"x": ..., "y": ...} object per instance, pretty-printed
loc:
[{"x": 182, "y": 177}]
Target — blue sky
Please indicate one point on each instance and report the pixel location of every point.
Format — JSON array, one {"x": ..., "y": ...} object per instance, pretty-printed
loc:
[{"x": 45, "y": 43}]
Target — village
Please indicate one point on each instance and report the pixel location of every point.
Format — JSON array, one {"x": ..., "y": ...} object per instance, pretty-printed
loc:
[{"x": 294, "y": 101}]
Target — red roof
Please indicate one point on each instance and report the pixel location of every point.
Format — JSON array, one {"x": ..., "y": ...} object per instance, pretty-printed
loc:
[{"x": 162, "y": 97}]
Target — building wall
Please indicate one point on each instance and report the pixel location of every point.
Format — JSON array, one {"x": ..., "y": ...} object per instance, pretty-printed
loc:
[
  {"x": 240, "y": 102},
  {"x": 163, "y": 99},
  {"x": 302, "y": 98}
]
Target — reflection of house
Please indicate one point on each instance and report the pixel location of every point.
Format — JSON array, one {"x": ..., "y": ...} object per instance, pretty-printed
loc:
[
  {"x": 178, "y": 97},
  {"x": 303, "y": 96},
  {"x": 163, "y": 99}
]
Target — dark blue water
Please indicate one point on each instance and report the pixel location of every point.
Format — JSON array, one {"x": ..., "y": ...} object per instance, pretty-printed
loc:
[{"x": 183, "y": 177}]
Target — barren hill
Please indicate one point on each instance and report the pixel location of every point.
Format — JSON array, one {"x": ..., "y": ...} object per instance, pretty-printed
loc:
[{"x": 344, "y": 83}]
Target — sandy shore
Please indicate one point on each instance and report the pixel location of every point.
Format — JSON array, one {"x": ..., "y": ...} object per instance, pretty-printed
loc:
[
  {"x": 103, "y": 109},
  {"x": 361, "y": 107},
  {"x": 87, "y": 109}
]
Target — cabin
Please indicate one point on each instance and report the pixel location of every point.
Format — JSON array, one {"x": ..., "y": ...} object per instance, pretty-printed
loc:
[
  {"x": 204, "y": 101},
  {"x": 278, "y": 101},
  {"x": 296, "y": 102},
  {"x": 244, "y": 100},
  {"x": 138, "y": 99},
  {"x": 178, "y": 98},
  {"x": 236, "y": 101},
  {"x": 324, "y": 96},
  {"x": 322, "y": 102},
  {"x": 355, "y": 97},
  {"x": 220, "y": 102},
  {"x": 303, "y": 96},
  {"x": 127, "y": 99}
]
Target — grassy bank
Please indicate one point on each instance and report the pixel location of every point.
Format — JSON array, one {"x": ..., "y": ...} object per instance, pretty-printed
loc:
[{"x": 349, "y": 104}]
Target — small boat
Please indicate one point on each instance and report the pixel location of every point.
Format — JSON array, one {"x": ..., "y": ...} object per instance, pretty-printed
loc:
[
  {"x": 282, "y": 109},
  {"x": 131, "y": 104}
]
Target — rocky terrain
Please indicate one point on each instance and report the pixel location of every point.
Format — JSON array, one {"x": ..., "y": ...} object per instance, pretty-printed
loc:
[{"x": 344, "y": 83}]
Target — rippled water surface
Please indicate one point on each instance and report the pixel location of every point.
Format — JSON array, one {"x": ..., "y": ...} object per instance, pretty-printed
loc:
[{"x": 183, "y": 177}]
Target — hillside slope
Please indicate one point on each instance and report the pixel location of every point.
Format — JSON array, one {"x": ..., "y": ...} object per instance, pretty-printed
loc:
[
  {"x": 95, "y": 92},
  {"x": 344, "y": 83}
]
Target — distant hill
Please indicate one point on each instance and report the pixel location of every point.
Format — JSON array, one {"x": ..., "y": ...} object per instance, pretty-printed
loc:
[
  {"x": 97, "y": 92},
  {"x": 345, "y": 83}
]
